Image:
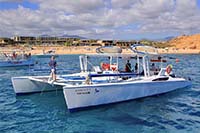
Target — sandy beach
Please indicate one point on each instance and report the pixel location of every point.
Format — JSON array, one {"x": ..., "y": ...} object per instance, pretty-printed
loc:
[{"x": 35, "y": 50}]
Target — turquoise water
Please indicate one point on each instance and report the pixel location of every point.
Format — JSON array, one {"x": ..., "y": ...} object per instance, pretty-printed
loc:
[{"x": 177, "y": 111}]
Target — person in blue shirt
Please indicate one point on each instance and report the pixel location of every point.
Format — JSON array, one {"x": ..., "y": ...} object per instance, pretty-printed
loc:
[{"x": 52, "y": 64}]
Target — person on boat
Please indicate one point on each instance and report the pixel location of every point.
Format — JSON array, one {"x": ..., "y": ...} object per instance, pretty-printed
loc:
[
  {"x": 128, "y": 66},
  {"x": 24, "y": 55},
  {"x": 153, "y": 67},
  {"x": 5, "y": 55},
  {"x": 14, "y": 55},
  {"x": 136, "y": 67},
  {"x": 29, "y": 55},
  {"x": 52, "y": 64}
]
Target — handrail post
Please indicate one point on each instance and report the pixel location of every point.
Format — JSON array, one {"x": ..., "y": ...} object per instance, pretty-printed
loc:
[{"x": 144, "y": 66}]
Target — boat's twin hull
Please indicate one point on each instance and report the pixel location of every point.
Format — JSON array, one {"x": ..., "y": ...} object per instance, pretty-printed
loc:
[
  {"x": 98, "y": 94},
  {"x": 24, "y": 85},
  {"x": 87, "y": 96},
  {"x": 33, "y": 84}
]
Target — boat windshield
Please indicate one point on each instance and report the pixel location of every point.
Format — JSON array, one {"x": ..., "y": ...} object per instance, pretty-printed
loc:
[{"x": 114, "y": 62}]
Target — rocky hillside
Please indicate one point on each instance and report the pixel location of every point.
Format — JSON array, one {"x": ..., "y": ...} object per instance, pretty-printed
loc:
[{"x": 186, "y": 42}]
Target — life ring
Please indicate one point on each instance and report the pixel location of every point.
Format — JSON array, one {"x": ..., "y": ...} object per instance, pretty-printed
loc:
[
  {"x": 168, "y": 69},
  {"x": 105, "y": 66}
]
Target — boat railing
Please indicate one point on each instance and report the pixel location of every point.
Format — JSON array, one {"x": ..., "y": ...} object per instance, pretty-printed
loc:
[{"x": 112, "y": 75}]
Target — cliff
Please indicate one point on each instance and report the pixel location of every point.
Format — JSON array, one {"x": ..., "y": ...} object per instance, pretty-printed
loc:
[{"x": 186, "y": 42}]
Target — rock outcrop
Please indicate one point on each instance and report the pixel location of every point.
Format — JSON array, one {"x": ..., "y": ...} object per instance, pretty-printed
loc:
[{"x": 186, "y": 42}]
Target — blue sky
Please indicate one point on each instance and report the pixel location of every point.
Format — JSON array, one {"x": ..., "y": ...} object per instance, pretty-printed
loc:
[
  {"x": 14, "y": 5},
  {"x": 198, "y": 3},
  {"x": 100, "y": 19}
]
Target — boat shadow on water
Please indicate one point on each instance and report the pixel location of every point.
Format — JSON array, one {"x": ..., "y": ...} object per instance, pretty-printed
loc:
[{"x": 54, "y": 99}]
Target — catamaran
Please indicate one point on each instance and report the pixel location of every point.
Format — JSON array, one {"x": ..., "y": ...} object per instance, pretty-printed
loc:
[
  {"x": 47, "y": 54},
  {"x": 108, "y": 83},
  {"x": 15, "y": 58}
]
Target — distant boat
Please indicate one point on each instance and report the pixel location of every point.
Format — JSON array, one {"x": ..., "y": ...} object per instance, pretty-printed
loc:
[
  {"x": 158, "y": 59},
  {"x": 47, "y": 54},
  {"x": 15, "y": 58}
]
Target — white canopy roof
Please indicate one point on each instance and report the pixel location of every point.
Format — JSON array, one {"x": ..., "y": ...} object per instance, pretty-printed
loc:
[{"x": 115, "y": 55}]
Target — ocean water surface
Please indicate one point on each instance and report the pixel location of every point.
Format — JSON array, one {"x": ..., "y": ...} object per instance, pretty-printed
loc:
[{"x": 177, "y": 111}]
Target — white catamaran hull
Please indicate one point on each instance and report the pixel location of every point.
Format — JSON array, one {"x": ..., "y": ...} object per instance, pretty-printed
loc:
[
  {"x": 93, "y": 95},
  {"x": 33, "y": 84},
  {"x": 24, "y": 85}
]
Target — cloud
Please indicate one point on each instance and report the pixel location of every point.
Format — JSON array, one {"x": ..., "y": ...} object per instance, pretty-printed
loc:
[
  {"x": 184, "y": 17},
  {"x": 102, "y": 19},
  {"x": 125, "y": 4},
  {"x": 71, "y": 6}
]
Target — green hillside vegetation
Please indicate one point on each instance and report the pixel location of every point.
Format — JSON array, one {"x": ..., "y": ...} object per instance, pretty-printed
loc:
[{"x": 156, "y": 44}]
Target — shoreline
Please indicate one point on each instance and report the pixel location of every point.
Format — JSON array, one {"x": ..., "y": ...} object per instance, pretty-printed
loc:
[{"x": 61, "y": 50}]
